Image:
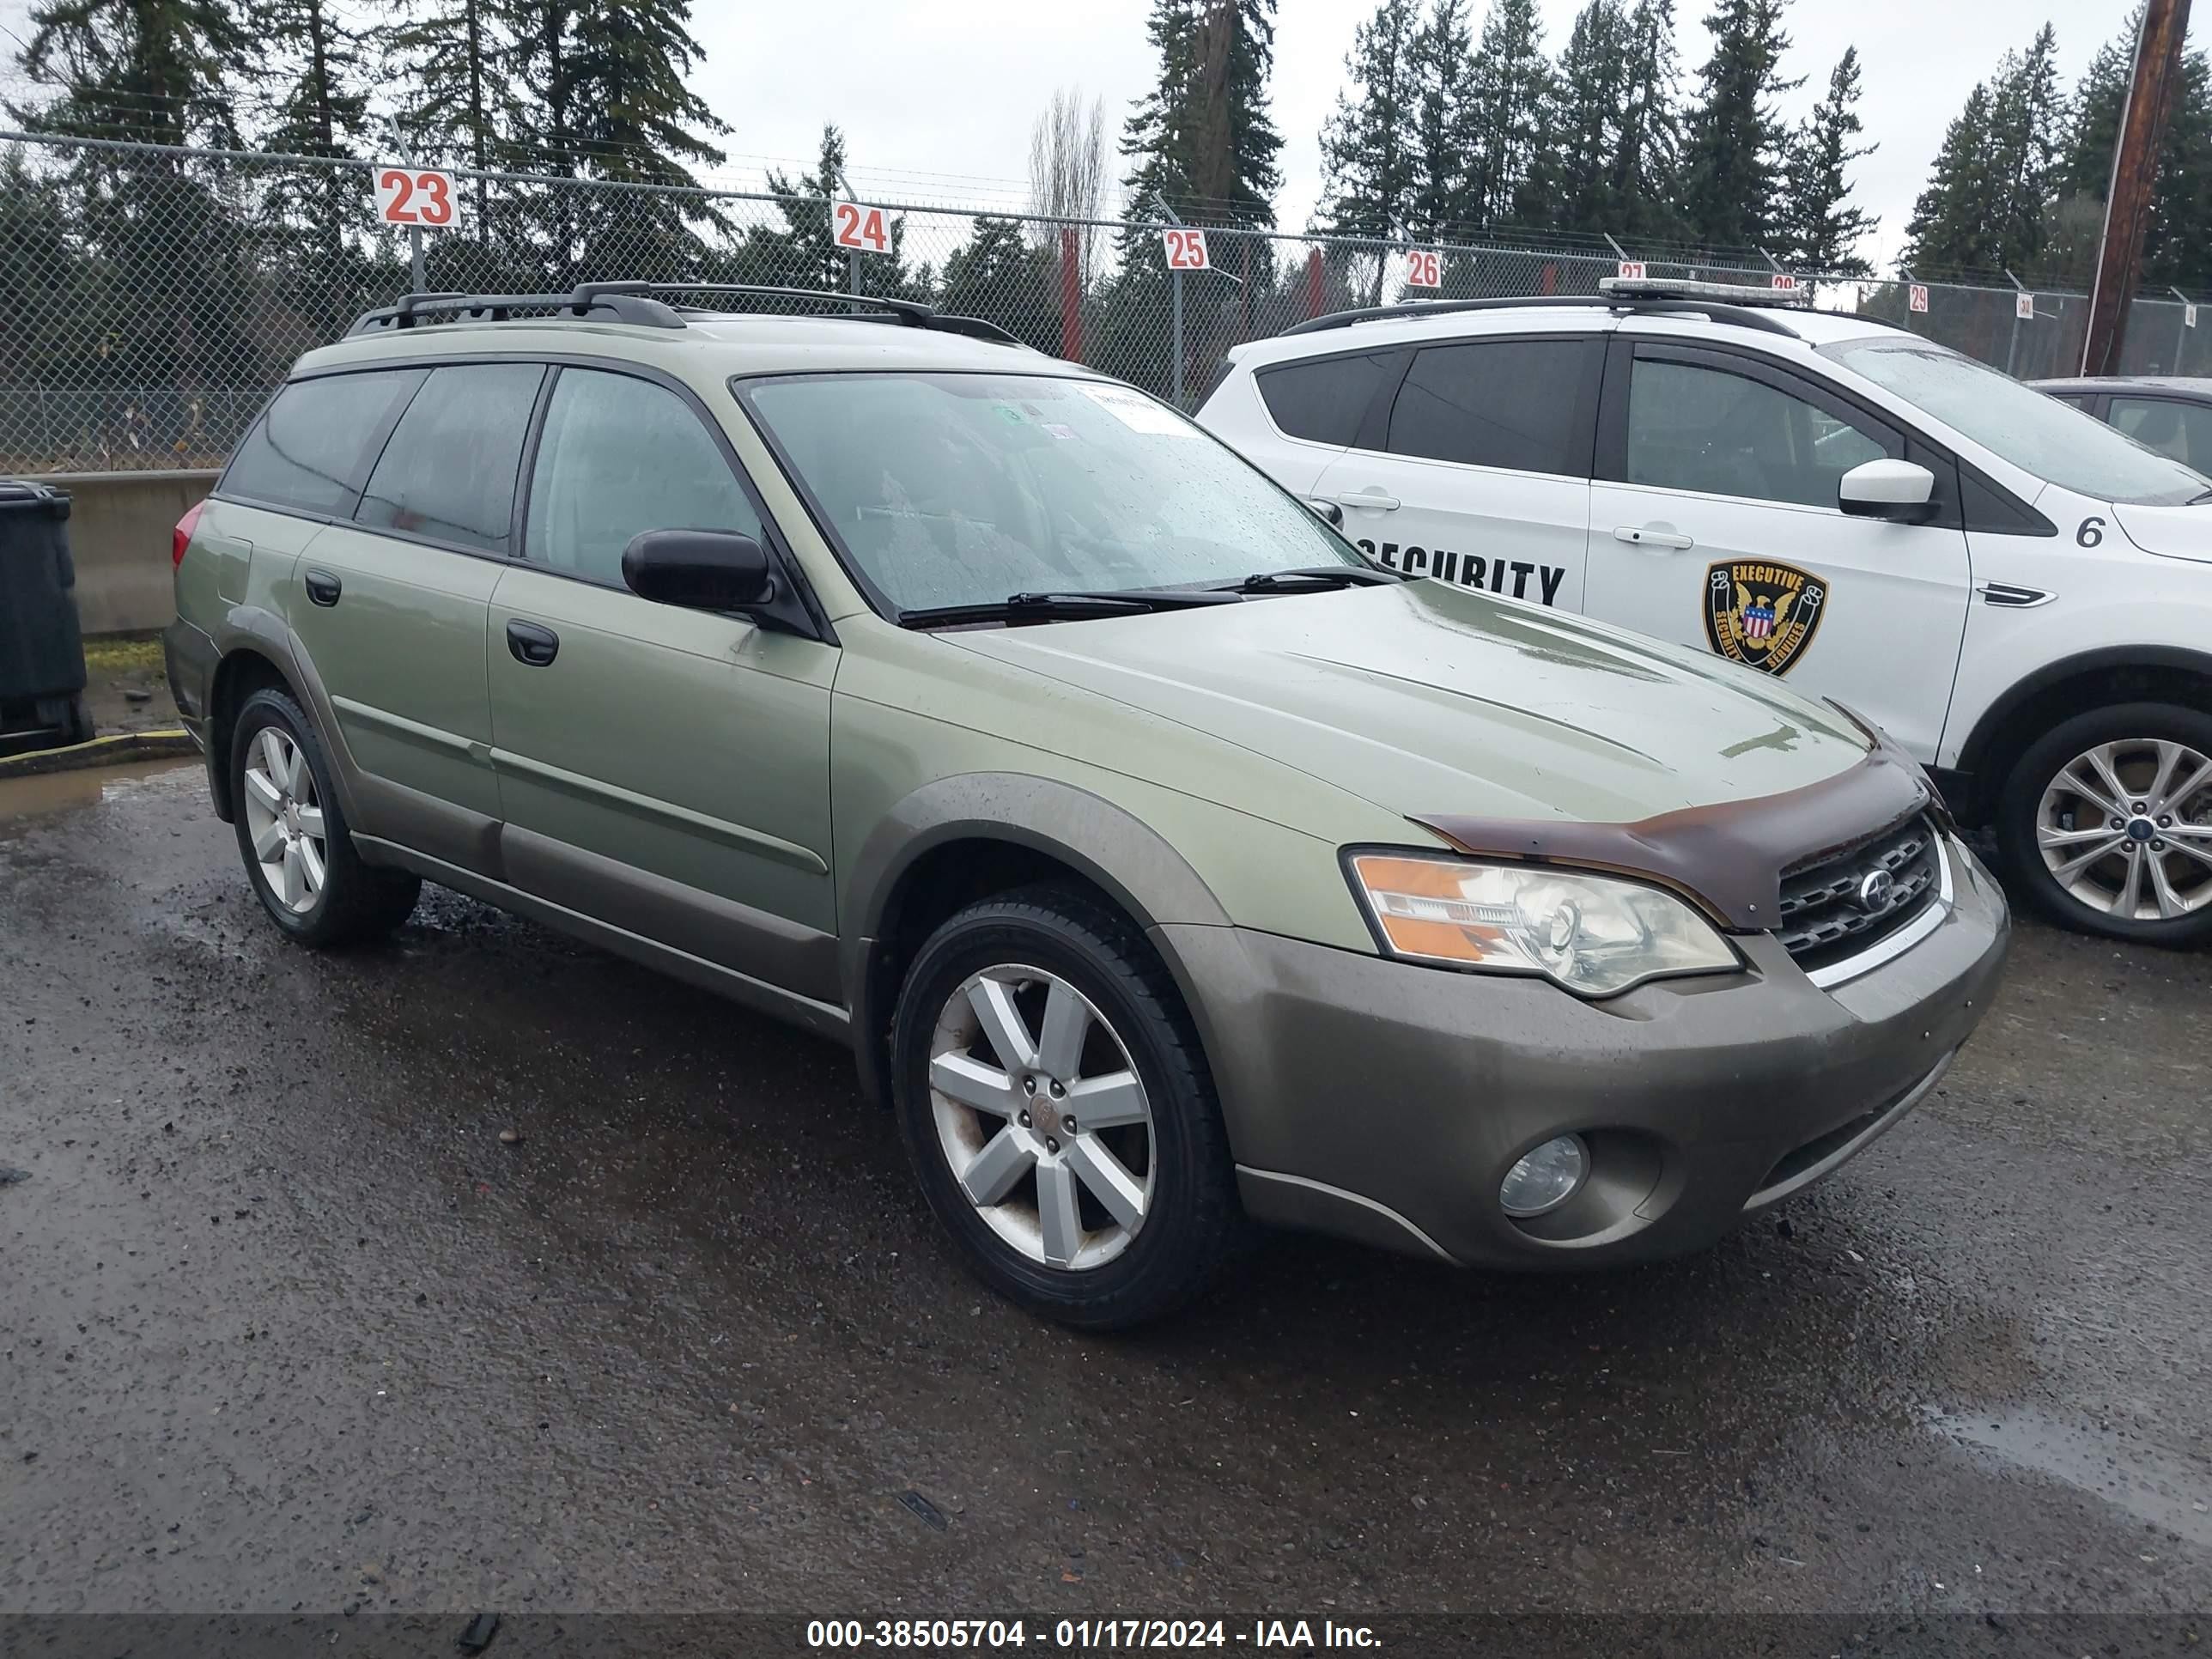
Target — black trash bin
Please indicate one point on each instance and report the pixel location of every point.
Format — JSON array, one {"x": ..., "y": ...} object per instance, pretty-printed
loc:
[{"x": 41, "y": 651}]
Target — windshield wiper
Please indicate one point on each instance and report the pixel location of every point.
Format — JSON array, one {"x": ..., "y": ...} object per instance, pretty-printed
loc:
[
  {"x": 1077, "y": 606},
  {"x": 1320, "y": 576}
]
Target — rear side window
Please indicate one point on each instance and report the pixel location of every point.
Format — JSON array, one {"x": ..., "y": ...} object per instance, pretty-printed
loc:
[
  {"x": 1494, "y": 403},
  {"x": 620, "y": 456},
  {"x": 449, "y": 473},
  {"x": 2171, "y": 427},
  {"x": 306, "y": 452},
  {"x": 1324, "y": 400}
]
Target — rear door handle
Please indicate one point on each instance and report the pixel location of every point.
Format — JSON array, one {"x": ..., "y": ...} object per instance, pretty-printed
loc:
[
  {"x": 323, "y": 588},
  {"x": 1372, "y": 499},
  {"x": 1651, "y": 536},
  {"x": 532, "y": 646}
]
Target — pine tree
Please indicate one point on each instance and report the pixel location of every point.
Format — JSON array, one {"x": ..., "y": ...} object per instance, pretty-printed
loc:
[
  {"x": 1369, "y": 148},
  {"x": 159, "y": 71},
  {"x": 632, "y": 118},
  {"x": 1589, "y": 113},
  {"x": 2177, "y": 241},
  {"x": 455, "y": 102},
  {"x": 1648, "y": 161},
  {"x": 996, "y": 275},
  {"x": 1509, "y": 95},
  {"x": 1820, "y": 229},
  {"x": 1444, "y": 73},
  {"x": 1732, "y": 154},
  {"x": 314, "y": 87},
  {"x": 1950, "y": 227},
  {"x": 1991, "y": 199},
  {"x": 1201, "y": 141}
]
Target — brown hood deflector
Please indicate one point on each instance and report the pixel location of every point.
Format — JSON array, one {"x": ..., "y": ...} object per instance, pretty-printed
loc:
[{"x": 1729, "y": 856}]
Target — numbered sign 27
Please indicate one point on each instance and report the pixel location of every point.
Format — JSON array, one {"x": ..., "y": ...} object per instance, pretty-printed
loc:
[
  {"x": 1631, "y": 270},
  {"x": 1424, "y": 268},
  {"x": 1186, "y": 248},
  {"x": 419, "y": 197},
  {"x": 866, "y": 228}
]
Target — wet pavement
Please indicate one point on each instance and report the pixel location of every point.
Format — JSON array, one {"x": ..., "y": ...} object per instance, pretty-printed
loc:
[{"x": 284, "y": 1325}]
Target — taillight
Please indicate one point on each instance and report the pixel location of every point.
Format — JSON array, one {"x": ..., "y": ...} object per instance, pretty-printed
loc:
[{"x": 181, "y": 537}]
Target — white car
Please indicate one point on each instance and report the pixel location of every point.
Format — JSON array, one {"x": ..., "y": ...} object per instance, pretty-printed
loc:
[{"x": 2019, "y": 593}]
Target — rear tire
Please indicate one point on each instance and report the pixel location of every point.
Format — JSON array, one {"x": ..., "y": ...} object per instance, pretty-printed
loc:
[
  {"x": 1057, "y": 1105},
  {"x": 2079, "y": 849},
  {"x": 292, "y": 834}
]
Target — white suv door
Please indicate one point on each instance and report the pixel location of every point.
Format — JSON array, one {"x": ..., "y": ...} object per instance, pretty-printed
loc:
[
  {"x": 1479, "y": 474},
  {"x": 1714, "y": 521}
]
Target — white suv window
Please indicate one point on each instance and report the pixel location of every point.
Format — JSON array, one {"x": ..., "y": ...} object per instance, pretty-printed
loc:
[
  {"x": 1494, "y": 403},
  {"x": 1722, "y": 434}
]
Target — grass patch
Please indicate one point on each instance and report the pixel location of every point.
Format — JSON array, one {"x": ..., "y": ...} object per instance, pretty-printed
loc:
[{"x": 124, "y": 653}]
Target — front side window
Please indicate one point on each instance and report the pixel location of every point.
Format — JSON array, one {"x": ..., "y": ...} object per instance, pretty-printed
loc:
[
  {"x": 2039, "y": 434},
  {"x": 620, "y": 456},
  {"x": 1493, "y": 403},
  {"x": 2176, "y": 429},
  {"x": 959, "y": 489},
  {"x": 448, "y": 472},
  {"x": 1691, "y": 427},
  {"x": 306, "y": 452}
]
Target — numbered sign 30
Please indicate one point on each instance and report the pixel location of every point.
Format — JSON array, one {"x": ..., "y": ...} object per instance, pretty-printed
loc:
[
  {"x": 863, "y": 227},
  {"x": 1424, "y": 268},
  {"x": 1916, "y": 295},
  {"x": 416, "y": 196},
  {"x": 1186, "y": 247},
  {"x": 1631, "y": 270},
  {"x": 2023, "y": 307}
]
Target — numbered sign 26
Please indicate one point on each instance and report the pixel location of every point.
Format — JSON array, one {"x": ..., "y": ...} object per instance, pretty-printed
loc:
[
  {"x": 863, "y": 227},
  {"x": 1916, "y": 296},
  {"x": 416, "y": 196},
  {"x": 1424, "y": 268},
  {"x": 1631, "y": 270},
  {"x": 1186, "y": 248}
]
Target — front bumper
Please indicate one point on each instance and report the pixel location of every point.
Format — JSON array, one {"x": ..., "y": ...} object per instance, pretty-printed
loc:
[{"x": 1385, "y": 1101}]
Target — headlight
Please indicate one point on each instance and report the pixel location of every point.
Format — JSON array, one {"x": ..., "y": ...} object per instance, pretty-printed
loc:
[{"x": 1590, "y": 933}]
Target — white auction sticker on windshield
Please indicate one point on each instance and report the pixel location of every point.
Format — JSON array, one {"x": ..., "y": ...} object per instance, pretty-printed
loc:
[{"x": 1137, "y": 412}]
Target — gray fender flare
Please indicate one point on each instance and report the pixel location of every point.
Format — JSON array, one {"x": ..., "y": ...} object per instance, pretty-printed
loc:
[
  {"x": 254, "y": 628},
  {"x": 1120, "y": 854}
]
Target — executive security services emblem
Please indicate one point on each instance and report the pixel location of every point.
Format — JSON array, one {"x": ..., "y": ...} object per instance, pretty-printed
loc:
[{"x": 1763, "y": 613}]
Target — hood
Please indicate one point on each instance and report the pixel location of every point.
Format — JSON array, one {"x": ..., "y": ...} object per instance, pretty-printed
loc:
[
  {"x": 1425, "y": 697},
  {"x": 2175, "y": 532}
]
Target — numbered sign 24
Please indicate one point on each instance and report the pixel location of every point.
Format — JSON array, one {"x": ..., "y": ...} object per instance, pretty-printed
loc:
[
  {"x": 416, "y": 196},
  {"x": 1186, "y": 248},
  {"x": 1424, "y": 268},
  {"x": 863, "y": 227}
]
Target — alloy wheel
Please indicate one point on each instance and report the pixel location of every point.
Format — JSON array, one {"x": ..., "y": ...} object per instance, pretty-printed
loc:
[
  {"x": 1041, "y": 1116},
  {"x": 284, "y": 820},
  {"x": 2126, "y": 829}
]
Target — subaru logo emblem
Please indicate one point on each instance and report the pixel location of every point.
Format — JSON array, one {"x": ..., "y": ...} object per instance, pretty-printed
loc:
[{"x": 1874, "y": 891}]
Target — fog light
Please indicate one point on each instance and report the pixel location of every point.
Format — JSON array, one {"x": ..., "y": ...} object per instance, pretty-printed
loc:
[{"x": 1547, "y": 1178}]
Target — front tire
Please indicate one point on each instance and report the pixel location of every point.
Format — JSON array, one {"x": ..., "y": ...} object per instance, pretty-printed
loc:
[
  {"x": 1059, "y": 1111},
  {"x": 292, "y": 833},
  {"x": 2104, "y": 824}
]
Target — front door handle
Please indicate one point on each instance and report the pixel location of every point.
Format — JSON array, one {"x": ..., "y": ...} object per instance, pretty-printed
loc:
[
  {"x": 532, "y": 646},
  {"x": 323, "y": 588},
  {"x": 1371, "y": 498},
  {"x": 1657, "y": 537}
]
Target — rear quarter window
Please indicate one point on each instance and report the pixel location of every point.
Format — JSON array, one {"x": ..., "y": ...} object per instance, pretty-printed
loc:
[
  {"x": 309, "y": 449},
  {"x": 1324, "y": 399}
]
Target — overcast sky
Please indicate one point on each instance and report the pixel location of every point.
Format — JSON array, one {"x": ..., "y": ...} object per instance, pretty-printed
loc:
[{"x": 937, "y": 100}]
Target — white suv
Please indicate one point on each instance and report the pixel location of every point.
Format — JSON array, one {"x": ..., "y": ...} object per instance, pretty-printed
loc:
[{"x": 2020, "y": 594}]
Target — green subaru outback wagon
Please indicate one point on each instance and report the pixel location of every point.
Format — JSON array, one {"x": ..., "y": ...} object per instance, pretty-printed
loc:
[{"x": 1165, "y": 865}]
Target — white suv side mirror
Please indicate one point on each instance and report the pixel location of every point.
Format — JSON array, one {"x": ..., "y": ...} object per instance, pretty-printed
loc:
[{"x": 1898, "y": 491}]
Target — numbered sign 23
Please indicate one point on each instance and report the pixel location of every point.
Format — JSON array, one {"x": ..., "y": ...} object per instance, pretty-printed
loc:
[
  {"x": 1424, "y": 268},
  {"x": 414, "y": 197},
  {"x": 1186, "y": 247},
  {"x": 864, "y": 227}
]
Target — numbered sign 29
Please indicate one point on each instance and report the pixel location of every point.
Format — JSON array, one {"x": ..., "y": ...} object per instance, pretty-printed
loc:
[
  {"x": 1186, "y": 248},
  {"x": 1424, "y": 268},
  {"x": 1916, "y": 295},
  {"x": 1784, "y": 281},
  {"x": 866, "y": 228},
  {"x": 418, "y": 197}
]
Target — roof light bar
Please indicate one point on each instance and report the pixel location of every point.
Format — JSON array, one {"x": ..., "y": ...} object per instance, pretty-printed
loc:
[{"x": 1737, "y": 294}]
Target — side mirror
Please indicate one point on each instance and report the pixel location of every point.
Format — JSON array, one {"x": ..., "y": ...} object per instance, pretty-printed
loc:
[
  {"x": 1899, "y": 492},
  {"x": 1327, "y": 512},
  {"x": 698, "y": 569}
]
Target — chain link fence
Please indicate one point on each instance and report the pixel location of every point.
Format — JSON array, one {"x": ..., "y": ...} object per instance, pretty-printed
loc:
[{"x": 154, "y": 296}]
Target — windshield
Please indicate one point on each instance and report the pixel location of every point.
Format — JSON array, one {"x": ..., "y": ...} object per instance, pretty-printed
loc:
[
  {"x": 960, "y": 489},
  {"x": 2040, "y": 434}
]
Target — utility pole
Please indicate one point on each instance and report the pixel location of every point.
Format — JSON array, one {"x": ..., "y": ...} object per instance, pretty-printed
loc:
[{"x": 2135, "y": 169}]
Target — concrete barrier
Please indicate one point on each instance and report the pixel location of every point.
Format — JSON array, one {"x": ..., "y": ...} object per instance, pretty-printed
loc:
[{"x": 120, "y": 525}]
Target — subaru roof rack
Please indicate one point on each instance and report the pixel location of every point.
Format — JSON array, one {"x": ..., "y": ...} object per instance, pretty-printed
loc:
[
  {"x": 1741, "y": 315},
  {"x": 641, "y": 303}
]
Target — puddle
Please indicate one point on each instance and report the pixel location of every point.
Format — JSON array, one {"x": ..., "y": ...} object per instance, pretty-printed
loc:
[
  {"x": 2169, "y": 1492},
  {"x": 22, "y": 799}
]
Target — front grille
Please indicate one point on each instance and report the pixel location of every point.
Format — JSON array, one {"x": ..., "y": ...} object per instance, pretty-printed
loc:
[{"x": 1824, "y": 917}]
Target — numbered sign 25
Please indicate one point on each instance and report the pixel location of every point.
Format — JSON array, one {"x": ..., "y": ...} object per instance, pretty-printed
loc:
[
  {"x": 1424, "y": 268},
  {"x": 414, "y": 197},
  {"x": 1186, "y": 247},
  {"x": 863, "y": 227}
]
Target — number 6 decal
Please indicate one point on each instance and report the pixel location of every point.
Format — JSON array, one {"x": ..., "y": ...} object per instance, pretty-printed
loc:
[{"x": 2091, "y": 534}]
